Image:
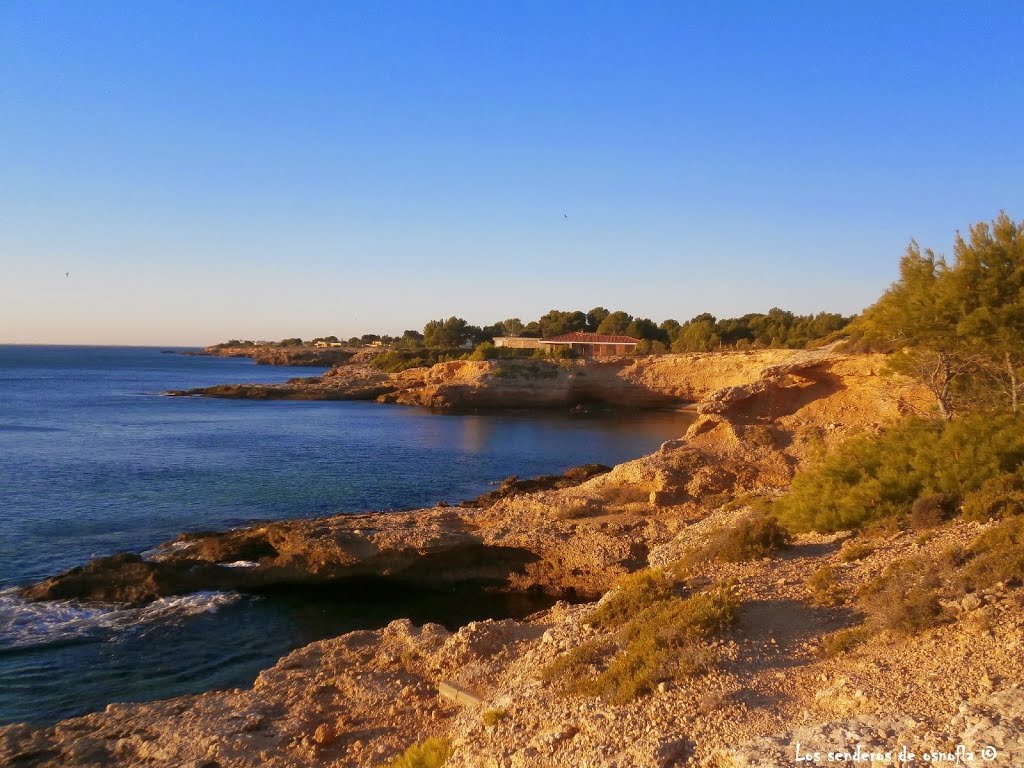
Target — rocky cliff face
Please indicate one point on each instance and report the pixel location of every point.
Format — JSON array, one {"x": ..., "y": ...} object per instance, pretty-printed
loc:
[{"x": 645, "y": 382}]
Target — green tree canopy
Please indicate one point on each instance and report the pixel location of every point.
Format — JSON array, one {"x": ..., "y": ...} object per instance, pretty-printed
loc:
[
  {"x": 511, "y": 327},
  {"x": 557, "y": 322},
  {"x": 446, "y": 334},
  {"x": 595, "y": 317},
  {"x": 958, "y": 328},
  {"x": 615, "y": 323},
  {"x": 645, "y": 329}
]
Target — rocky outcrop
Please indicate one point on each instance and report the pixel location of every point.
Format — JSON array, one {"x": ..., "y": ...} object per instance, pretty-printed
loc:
[
  {"x": 439, "y": 548},
  {"x": 663, "y": 381},
  {"x": 513, "y": 486},
  {"x": 272, "y": 355},
  {"x": 347, "y": 382}
]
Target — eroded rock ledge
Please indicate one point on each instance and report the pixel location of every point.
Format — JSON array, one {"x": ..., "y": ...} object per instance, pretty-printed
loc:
[
  {"x": 437, "y": 548},
  {"x": 573, "y": 536},
  {"x": 665, "y": 381}
]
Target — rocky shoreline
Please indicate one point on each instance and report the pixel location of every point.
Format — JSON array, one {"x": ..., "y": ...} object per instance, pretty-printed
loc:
[
  {"x": 360, "y": 699},
  {"x": 263, "y": 354},
  {"x": 702, "y": 381},
  {"x": 442, "y": 548}
]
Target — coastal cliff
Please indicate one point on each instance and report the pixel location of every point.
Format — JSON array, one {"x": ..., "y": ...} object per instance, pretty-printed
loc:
[
  {"x": 360, "y": 699},
  {"x": 663, "y": 381}
]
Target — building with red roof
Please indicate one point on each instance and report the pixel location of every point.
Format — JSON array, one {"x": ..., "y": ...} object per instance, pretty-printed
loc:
[
  {"x": 592, "y": 344},
  {"x": 584, "y": 344}
]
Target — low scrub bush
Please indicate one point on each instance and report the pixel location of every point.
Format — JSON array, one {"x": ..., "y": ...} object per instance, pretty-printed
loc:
[
  {"x": 533, "y": 369},
  {"x": 635, "y": 593},
  {"x": 999, "y": 497},
  {"x": 659, "y": 634},
  {"x": 395, "y": 361},
  {"x": 555, "y": 353},
  {"x": 907, "y": 596},
  {"x": 755, "y": 501},
  {"x": 431, "y": 753},
  {"x": 750, "y": 537},
  {"x": 649, "y": 347},
  {"x": 997, "y": 556},
  {"x": 931, "y": 510},
  {"x": 494, "y": 716},
  {"x": 484, "y": 351},
  {"x": 843, "y": 641},
  {"x": 910, "y": 595},
  {"x": 868, "y": 479},
  {"x": 852, "y": 551},
  {"x": 576, "y": 664},
  {"x": 826, "y": 589},
  {"x": 488, "y": 351}
]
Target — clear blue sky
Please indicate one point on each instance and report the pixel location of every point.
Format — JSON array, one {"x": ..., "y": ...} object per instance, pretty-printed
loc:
[{"x": 261, "y": 170}]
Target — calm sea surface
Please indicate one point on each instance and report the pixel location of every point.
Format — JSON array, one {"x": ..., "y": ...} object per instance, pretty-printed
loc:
[{"x": 93, "y": 460}]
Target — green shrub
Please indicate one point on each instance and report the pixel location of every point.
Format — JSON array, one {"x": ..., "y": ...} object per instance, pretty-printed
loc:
[
  {"x": 755, "y": 501},
  {"x": 533, "y": 369},
  {"x": 664, "y": 641},
  {"x": 659, "y": 635},
  {"x": 556, "y": 353},
  {"x": 750, "y": 537},
  {"x": 868, "y": 479},
  {"x": 826, "y": 589},
  {"x": 396, "y": 360},
  {"x": 907, "y": 596},
  {"x": 634, "y": 594},
  {"x": 649, "y": 347},
  {"x": 931, "y": 510},
  {"x": 431, "y": 753},
  {"x": 578, "y": 663},
  {"x": 843, "y": 641},
  {"x": 997, "y": 556},
  {"x": 484, "y": 351},
  {"x": 852, "y": 551},
  {"x": 998, "y": 497},
  {"x": 494, "y": 716},
  {"x": 488, "y": 351}
]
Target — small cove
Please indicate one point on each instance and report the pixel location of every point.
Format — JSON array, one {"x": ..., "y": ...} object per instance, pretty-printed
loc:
[{"x": 93, "y": 461}]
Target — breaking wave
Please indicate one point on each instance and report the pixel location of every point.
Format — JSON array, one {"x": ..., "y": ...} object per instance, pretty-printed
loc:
[{"x": 25, "y": 625}]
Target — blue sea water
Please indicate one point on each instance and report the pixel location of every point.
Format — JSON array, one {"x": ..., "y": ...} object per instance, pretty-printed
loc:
[{"x": 94, "y": 460}]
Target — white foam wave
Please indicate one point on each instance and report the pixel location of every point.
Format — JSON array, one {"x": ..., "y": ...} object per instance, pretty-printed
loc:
[
  {"x": 163, "y": 550},
  {"x": 25, "y": 624}
]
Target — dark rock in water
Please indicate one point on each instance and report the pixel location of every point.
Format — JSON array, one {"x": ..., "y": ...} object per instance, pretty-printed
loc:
[
  {"x": 431, "y": 549},
  {"x": 128, "y": 578},
  {"x": 439, "y": 548}
]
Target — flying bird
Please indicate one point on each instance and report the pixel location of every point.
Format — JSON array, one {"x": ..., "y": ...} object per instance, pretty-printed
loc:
[{"x": 66, "y": 274}]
